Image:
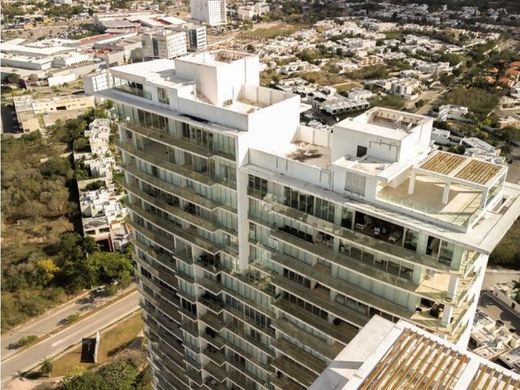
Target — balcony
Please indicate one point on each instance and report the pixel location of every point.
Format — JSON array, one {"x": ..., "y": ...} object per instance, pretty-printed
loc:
[
  {"x": 212, "y": 303},
  {"x": 301, "y": 356},
  {"x": 157, "y": 154},
  {"x": 283, "y": 382},
  {"x": 173, "y": 378},
  {"x": 158, "y": 253},
  {"x": 384, "y": 244},
  {"x": 329, "y": 351},
  {"x": 210, "y": 285},
  {"x": 262, "y": 284},
  {"x": 212, "y": 384},
  {"x": 428, "y": 290},
  {"x": 189, "y": 235},
  {"x": 210, "y": 263},
  {"x": 216, "y": 355},
  {"x": 264, "y": 329},
  {"x": 242, "y": 334},
  {"x": 190, "y": 327},
  {"x": 161, "y": 135},
  {"x": 195, "y": 376},
  {"x": 213, "y": 338},
  {"x": 185, "y": 193},
  {"x": 216, "y": 372},
  {"x": 215, "y": 321},
  {"x": 169, "y": 309},
  {"x": 243, "y": 370},
  {"x": 341, "y": 332},
  {"x": 164, "y": 240},
  {"x": 173, "y": 210},
  {"x": 294, "y": 371},
  {"x": 175, "y": 357},
  {"x": 186, "y": 277}
]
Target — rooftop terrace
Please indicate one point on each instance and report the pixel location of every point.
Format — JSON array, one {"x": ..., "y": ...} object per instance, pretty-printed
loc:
[
  {"x": 384, "y": 122},
  {"x": 448, "y": 187}
]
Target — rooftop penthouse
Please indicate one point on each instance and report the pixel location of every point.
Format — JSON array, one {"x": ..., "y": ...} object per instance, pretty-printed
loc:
[
  {"x": 220, "y": 87},
  {"x": 383, "y": 157}
]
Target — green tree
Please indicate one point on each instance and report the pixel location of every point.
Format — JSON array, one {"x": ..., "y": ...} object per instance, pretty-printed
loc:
[
  {"x": 46, "y": 367},
  {"x": 57, "y": 166},
  {"x": 120, "y": 375},
  {"x": 86, "y": 381},
  {"x": 13, "y": 78},
  {"x": 46, "y": 270}
]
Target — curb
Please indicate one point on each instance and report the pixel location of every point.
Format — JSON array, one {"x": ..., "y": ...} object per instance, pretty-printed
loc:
[
  {"x": 102, "y": 330},
  {"x": 58, "y": 354},
  {"x": 66, "y": 326}
]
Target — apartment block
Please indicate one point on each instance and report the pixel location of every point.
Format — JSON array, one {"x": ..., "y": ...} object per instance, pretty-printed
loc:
[
  {"x": 211, "y": 12},
  {"x": 263, "y": 246},
  {"x": 164, "y": 44}
]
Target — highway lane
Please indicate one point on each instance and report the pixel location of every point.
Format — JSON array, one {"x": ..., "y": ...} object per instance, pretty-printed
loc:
[{"x": 33, "y": 356}]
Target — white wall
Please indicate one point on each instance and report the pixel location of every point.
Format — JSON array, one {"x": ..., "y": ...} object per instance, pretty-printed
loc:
[
  {"x": 59, "y": 80},
  {"x": 345, "y": 142},
  {"x": 276, "y": 123}
]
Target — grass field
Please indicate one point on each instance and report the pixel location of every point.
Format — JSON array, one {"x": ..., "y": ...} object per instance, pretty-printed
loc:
[
  {"x": 112, "y": 341},
  {"x": 272, "y": 31}
]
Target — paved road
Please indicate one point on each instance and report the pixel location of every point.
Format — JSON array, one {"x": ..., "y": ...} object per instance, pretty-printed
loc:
[
  {"x": 72, "y": 335},
  {"x": 499, "y": 276},
  {"x": 44, "y": 324}
]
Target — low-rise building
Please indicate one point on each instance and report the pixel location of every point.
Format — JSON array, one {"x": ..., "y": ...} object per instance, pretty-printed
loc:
[
  {"x": 164, "y": 44},
  {"x": 451, "y": 111},
  {"x": 492, "y": 340},
  {"x": 475, "y": 147},
  {"x": 30, "y": 110},
  {"x": 249, "y": 11},
  {"x": 102, "y": 213}
]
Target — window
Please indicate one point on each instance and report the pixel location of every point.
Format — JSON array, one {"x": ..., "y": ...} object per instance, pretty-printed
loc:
[
  {"x": 346, "y": 218},
  {"x": 446, "y": 252},
  {"x": 163, "y": 96},
  {"x": 325, "y": 210},
  {"x": 258, "y": 185},
  {"x": 410, "y": 240},
  {"x": 361, "y": 151},
  {"x": 296, "y": 278},
  {"x": 432, "y": 248}
]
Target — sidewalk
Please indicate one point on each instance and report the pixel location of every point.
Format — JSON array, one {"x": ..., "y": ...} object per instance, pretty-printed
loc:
[{"x": 54, "y": 319}]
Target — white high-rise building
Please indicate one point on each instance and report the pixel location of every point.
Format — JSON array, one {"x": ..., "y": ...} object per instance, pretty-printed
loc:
[
  {"x": 212, "y": 12},
  {"x": 263, "y": 246}
]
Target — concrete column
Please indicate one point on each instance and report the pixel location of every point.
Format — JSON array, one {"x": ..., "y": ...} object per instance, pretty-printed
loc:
[
  {"x": 446, "y": 193},
  {"x": 446, "y": 315},
  {"x": 411, "y": 185},
  {"x": 452, "y": 287},
  {"x": 485, "y": 195}
]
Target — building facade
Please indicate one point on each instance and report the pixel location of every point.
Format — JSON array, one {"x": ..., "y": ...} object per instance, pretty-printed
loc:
[
  {"x": 263, "y": 246},
  {"x": 164, "y": 44},
  {"x": 211, "y": 12}
]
